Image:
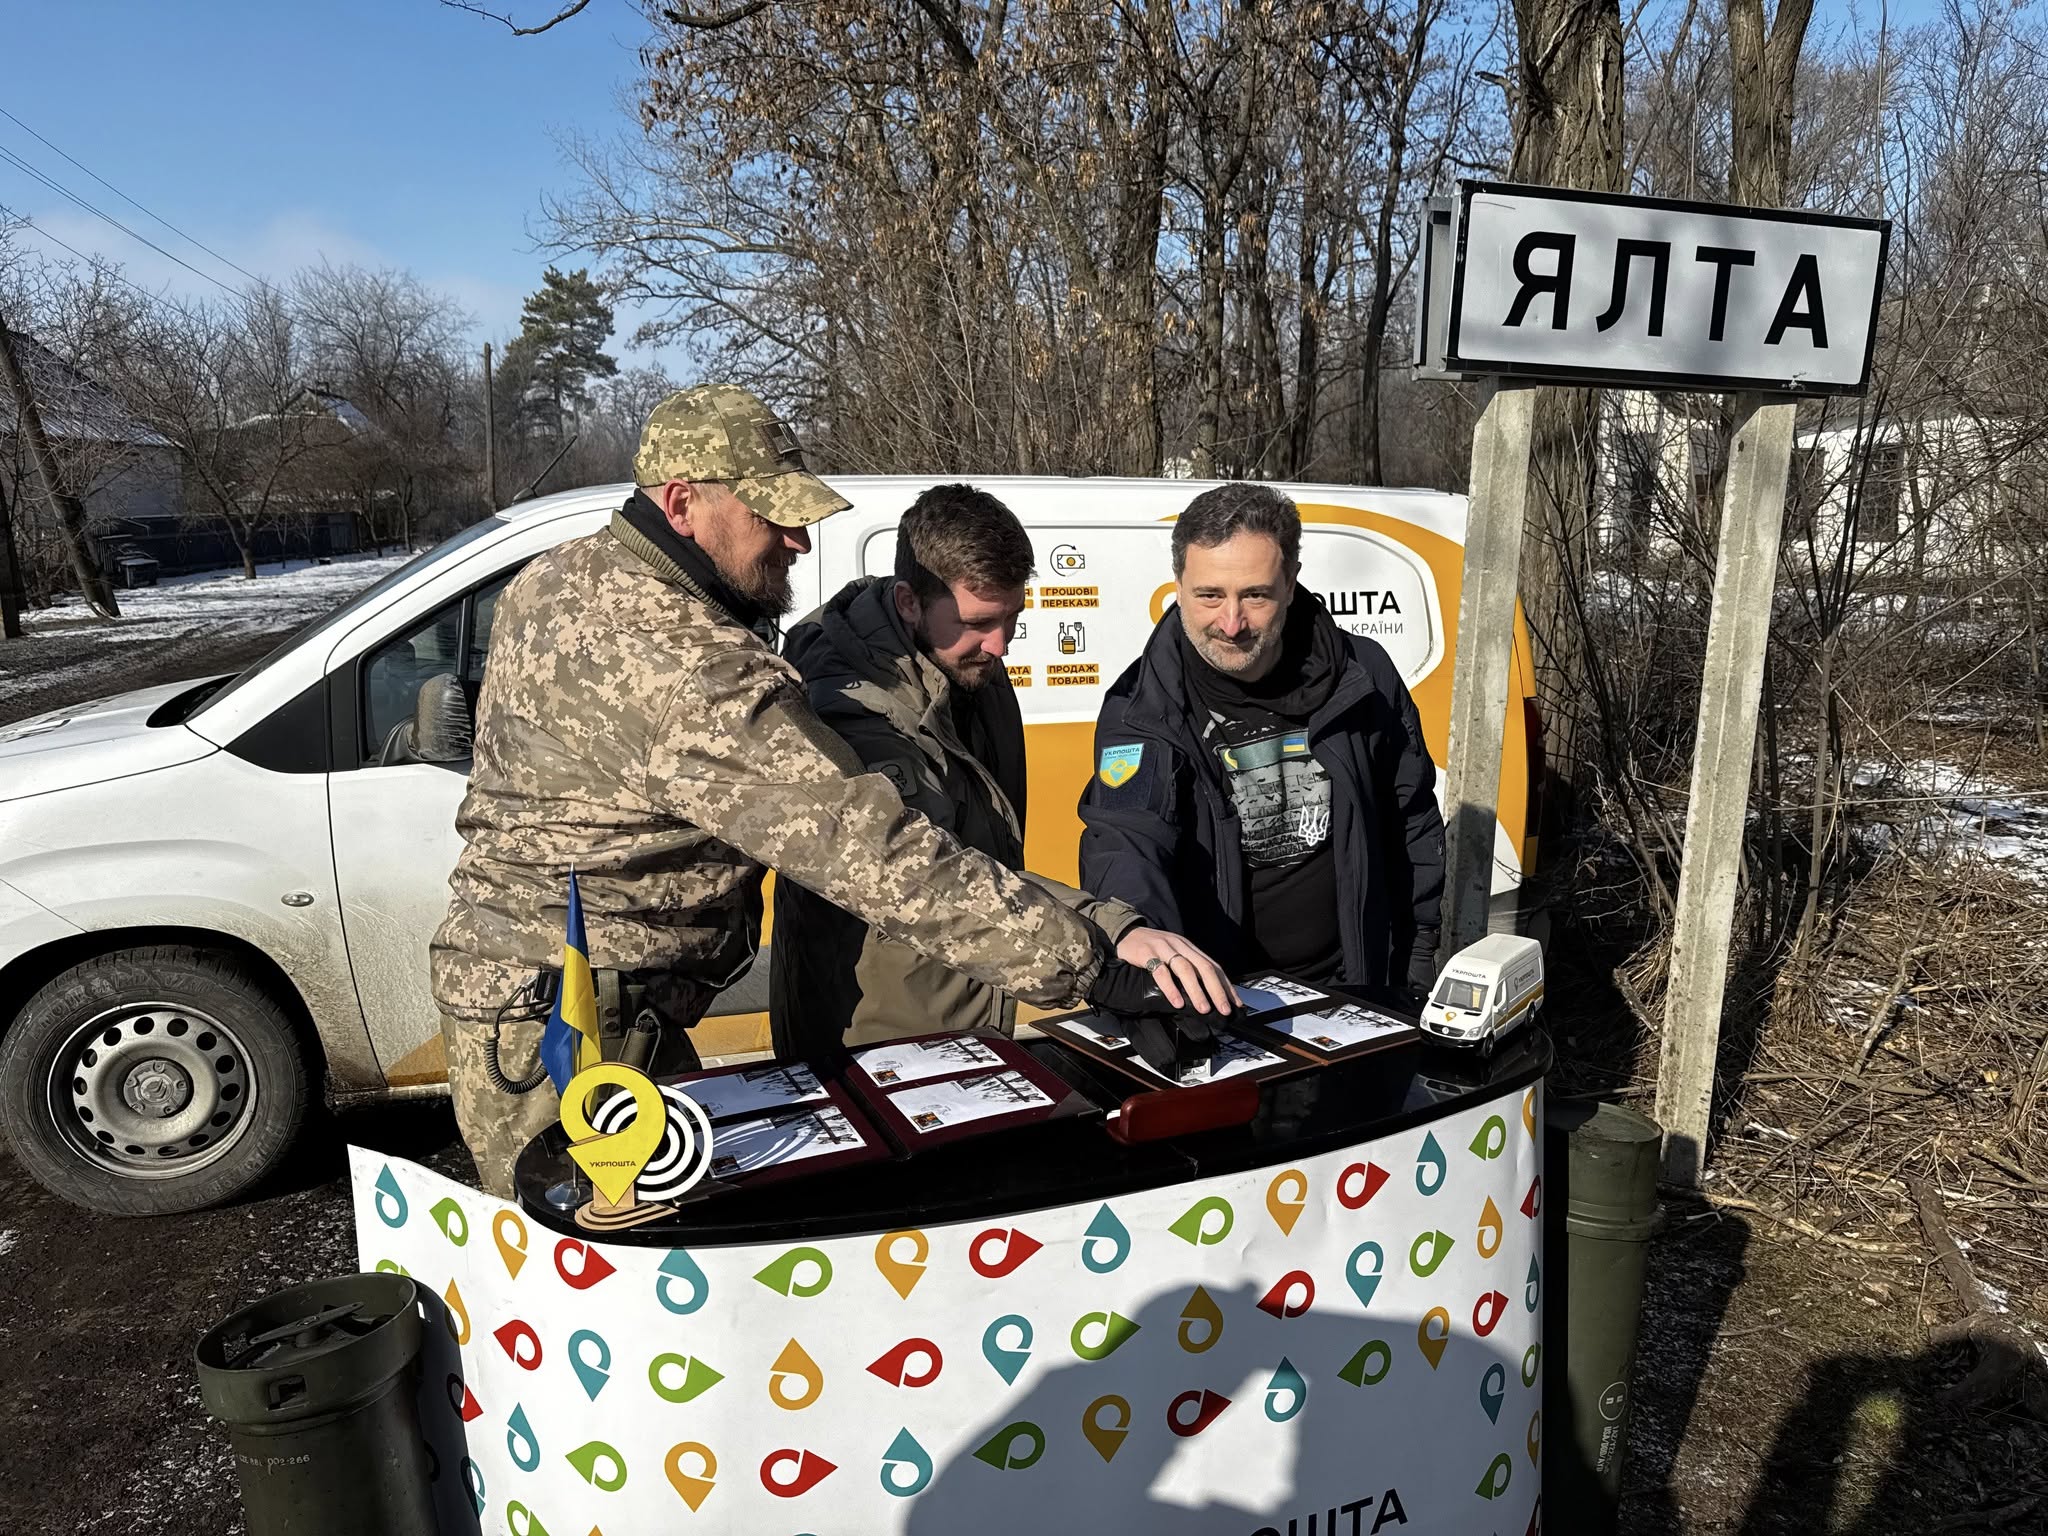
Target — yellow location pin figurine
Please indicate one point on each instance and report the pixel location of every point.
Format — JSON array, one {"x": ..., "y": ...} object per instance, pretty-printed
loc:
[{"x": 613, "y": 1161}]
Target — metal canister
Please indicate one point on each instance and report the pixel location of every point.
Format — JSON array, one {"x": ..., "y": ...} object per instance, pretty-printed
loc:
[
  {"x": 318, "y": 1388},
  {"x": 1601, "y": 1164}
]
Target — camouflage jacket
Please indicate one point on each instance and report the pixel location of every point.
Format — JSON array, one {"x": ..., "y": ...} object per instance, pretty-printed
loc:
[
  {"x": 630, "y": 727},
  {"x": 834, "y": 976}
]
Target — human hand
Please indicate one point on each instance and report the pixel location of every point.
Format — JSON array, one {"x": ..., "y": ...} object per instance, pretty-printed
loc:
[{"x": 1186, "y": 978}]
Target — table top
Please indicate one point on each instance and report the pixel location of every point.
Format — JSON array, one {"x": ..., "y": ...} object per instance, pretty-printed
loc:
[{"x": 1071, "y": 1158}]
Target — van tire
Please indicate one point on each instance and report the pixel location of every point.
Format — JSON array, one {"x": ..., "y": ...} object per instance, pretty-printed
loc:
[{"x": 187, "y": 1058}]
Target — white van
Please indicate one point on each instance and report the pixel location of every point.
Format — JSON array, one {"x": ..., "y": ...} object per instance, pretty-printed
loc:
[
  {"x": 1486, "y": 990},
  {"x": 217, "y": 896}
]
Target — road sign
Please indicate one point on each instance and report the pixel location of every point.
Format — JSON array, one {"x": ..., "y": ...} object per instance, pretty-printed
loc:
[
  {"x": 1439, "y": 241},
  {"x": 1590, "y": 288}
]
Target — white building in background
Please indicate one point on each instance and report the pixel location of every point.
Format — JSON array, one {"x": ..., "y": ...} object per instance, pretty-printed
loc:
[{"x": 1926, "y": 494}]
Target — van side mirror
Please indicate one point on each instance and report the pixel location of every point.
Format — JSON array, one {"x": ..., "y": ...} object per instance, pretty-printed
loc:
[{"x": 440, "y": 730}]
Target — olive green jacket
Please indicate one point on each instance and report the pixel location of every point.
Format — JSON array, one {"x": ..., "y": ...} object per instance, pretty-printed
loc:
[{"x": 832, "y": 975}]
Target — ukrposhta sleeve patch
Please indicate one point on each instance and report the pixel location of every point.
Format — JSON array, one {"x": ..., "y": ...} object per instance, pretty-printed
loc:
[{"x": 1119, "y": 765}]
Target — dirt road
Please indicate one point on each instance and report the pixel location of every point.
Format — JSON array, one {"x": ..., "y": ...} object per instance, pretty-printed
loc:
[{"x": 193, "y": 626}]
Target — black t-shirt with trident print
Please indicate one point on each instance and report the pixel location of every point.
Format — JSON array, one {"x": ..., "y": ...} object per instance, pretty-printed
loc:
[{"x": 1259, "y": 733}]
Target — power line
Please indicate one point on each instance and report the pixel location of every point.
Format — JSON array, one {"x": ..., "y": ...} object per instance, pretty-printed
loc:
[
  {"x": 167, "y": 224},
  {"x": 113, "y": 272},
  {"x": 54, "y": 185}
]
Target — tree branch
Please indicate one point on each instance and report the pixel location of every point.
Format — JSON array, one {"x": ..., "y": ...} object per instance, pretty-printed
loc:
[
  {"x": 518, "y": 31},
  {"x": 2009, "y": 1355},
  {"x": 717, "y": 19}
]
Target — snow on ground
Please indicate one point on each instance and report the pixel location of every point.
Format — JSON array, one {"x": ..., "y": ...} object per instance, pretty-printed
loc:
[
  {"x": 1944, "y": 808},
  {"x": 208, "y": 607}
]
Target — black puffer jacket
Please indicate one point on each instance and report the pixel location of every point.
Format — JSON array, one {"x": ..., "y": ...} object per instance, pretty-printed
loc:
[{"x": 1164, "y": 837}]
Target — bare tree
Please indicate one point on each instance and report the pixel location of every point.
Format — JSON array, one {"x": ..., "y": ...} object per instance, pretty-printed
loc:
[
  {"x": 223, "y": 383},
  {"x": 1567, "y": 96},
  {"x": 385, "y": 346}
]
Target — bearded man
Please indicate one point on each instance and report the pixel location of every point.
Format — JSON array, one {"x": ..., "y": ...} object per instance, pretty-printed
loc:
[
  {"x": 636, "y": 727},
  {"x": 908, "y": 670},
  {"x": 1261, "y": 781}
]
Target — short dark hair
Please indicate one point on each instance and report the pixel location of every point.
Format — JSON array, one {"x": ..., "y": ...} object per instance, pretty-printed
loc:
[
  {"x": 954, "y": 534},
  {"x": 1242, "y": 506}
]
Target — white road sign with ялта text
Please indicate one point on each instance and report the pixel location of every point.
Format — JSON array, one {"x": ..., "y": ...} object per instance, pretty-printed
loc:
[{"x": 1553, "y": 284}]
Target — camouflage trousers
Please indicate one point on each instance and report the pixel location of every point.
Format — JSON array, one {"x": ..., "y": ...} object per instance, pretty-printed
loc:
[{"x": 496, "y": 1125}]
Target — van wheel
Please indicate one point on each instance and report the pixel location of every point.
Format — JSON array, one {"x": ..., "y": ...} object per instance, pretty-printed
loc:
[{"x": 151, "y": 1081}]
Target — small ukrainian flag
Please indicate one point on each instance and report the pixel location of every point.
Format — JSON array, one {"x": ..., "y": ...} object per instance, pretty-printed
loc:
[{"x": 569, "y": 1043}]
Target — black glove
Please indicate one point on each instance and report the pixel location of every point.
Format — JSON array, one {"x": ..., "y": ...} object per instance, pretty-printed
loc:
[
  {"x": 1174, "y": 1045},
  {"x": 1171, "y": 1039},
  {"x": 1127, "y": 990},
  {"x": 1422, "y": 961}
]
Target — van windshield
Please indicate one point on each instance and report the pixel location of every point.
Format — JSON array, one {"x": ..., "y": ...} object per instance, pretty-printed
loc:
[
  {"x": 362, "y": 599},
  {"x": 1468, "y": 995}
]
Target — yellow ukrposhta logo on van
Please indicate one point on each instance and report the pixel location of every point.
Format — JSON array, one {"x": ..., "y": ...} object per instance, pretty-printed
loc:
[{"x": 1118, "y": 764}]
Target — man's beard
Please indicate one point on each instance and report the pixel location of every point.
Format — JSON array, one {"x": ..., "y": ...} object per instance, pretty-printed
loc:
[
  {"x": 1234, "y": 657},
  {"x": 969, "y": 676},
  {"x": 969, "y": 680},
  {"x": 766, "y": 582}
]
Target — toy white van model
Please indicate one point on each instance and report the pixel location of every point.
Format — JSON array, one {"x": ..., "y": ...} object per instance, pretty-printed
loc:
[
  {"x": 1486, "y": 990},
  {"x": 216, "y": 897}
]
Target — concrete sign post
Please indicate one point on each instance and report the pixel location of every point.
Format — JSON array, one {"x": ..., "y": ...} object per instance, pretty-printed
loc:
[
  {"x": 1557, "y": 286},
  {"x": 1752, "y": 516},
  {"x": 1484, "y": 659}
]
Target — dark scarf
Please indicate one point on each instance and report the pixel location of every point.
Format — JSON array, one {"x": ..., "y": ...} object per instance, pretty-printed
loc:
[
  {"x": 1312, "y": 653},
  {"x": 648, "y": 520}
]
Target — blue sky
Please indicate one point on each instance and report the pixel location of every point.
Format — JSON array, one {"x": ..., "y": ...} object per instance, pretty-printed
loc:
[{"x": 386, "y": 132}]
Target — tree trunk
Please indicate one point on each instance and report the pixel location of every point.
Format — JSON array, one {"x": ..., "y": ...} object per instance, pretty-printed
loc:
[
  {"x": 1380, "y": 305},
  {"x": 2037, "y": 690},
  {"x": 1308, "y": 338},
  {"x": 1267, "y": 437},
  {"x": 92, "y": 581},
  {"x": 1209, "y": 337},
  {"x": 1569, "y": 70},
  {"x": 1764, "y": 67},
  {"x": 1382, "y": 302}
]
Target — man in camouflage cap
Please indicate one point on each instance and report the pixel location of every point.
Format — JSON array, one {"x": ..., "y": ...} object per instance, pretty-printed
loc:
[{"x": 636, "y": 725}]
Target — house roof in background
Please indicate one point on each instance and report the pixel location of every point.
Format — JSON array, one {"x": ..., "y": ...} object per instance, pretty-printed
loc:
[
  {"x": 316, "y": 402},
  {"x": 74, "y": 408}
]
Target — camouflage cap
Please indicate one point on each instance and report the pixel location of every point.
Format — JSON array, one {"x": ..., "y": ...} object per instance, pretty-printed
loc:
[{"x": 724, "y": 433}]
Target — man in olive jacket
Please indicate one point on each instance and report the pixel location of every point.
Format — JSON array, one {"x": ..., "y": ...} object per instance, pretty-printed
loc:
[{"x": 908, "y": 670}]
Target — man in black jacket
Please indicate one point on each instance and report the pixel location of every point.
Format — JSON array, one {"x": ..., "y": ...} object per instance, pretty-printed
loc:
[
  {"x": 1261, "y": 781},
  {"x": 908, "y": 670}
]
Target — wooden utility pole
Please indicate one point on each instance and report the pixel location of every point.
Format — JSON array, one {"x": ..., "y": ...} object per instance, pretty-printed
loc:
[
  {"x": 490, "y": 436},
  {"x": 1484, "y": 659},
  {"x": 10, "y": 577},
  {"x": 92, "y": 581}
]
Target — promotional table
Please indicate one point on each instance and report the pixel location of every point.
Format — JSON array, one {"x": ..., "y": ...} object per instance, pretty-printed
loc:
[{"x": 1322, "y": 1323}]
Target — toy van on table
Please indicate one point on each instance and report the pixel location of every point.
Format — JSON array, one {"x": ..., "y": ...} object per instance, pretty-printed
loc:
[{"x": 1486, "y": 990}]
